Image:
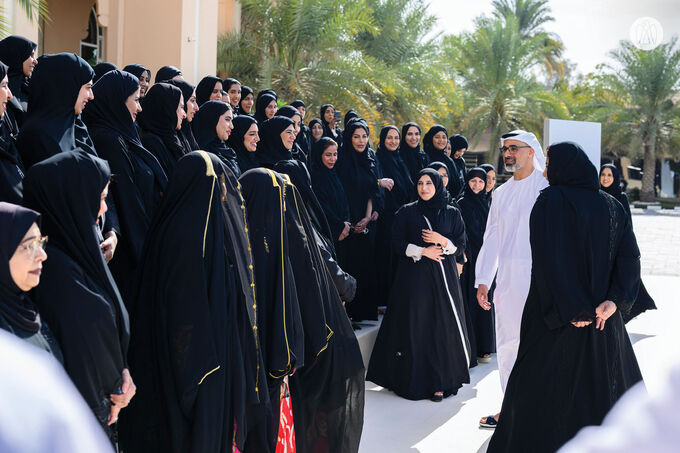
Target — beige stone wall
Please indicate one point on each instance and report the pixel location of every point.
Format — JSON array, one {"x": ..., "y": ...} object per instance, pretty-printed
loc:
[
  {"x": 18, "y": 21},
  {"x": 154, "y": 33}
]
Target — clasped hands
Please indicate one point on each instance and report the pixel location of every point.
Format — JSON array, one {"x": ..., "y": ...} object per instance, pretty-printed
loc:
[
  {"x": 602, "y": 313},
  {"x": 434, "y": 252}
]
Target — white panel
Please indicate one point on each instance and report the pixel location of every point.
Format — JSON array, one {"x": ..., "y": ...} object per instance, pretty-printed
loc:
[{"x": 588, "y": 135}]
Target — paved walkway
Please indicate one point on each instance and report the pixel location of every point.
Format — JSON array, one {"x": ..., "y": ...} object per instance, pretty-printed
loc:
[{"x": 396, "y": 425}]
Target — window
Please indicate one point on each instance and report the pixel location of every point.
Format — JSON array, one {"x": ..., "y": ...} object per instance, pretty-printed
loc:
[{"x": 91, "y": 47}]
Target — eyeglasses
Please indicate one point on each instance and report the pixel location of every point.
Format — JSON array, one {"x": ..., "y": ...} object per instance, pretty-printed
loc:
[
  {"x": 512, "y": 149},
  {"x": 33, "y": 246}
]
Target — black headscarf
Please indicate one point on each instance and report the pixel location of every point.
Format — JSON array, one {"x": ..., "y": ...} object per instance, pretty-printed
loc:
[
  {"x": 77, "y": 284},
  {"x": 578, "y": 278},
  {"x": 475, "y": 210},
  {"x": 11, "y": 167},
  {"x": 487, "y": 168},
  {"x": 614, "y": 189},
  {"x": 137, "y": 70},
  {"x": 15, "y": 306},
  {"x": 186, "y": 132},
  {"x": 437, "y": 155},
  {"x": 458, "y": 142},
  {"x": 298, "y": 103},
  {"x": 50, "y": 124},
  {"x": 14, "y": 50},
  {"x": 357, "y": 173},
  {"x": 324, "y": 123},
  {"x": 246, "y": 160},
  {"x": 267, "y": 91},
  {"x": 394, "y": 167},
  {"x": 329, "y": 190},
  {"x": 245, "y": 91},
  {"x": 263, "y": 101},
  {"x": 159, "y": 117},
  {"x": 204, "y": 127},
  {"x": 311, "y": 124},
  {"x": 167, "y": 73},
  {"x": 299, "y": 153},
  {"x": 226, "y": 85},
  {"x": 351, "y": 114},
  {"x": 430, "y": 208},
  {"x": 205, "y": 88},
  {"x": 271, "y": 150},
  {"x": 414, "y": 158},
  {"x": 102, "y": 68}
]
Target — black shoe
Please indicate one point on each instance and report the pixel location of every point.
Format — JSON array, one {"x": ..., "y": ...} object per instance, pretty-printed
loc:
[{"x": 437, "y": 398}]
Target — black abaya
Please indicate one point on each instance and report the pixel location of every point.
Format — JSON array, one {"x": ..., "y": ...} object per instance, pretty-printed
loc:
[
  {"x": 139, "y": 178},
  {"x": 643, "y": 301},
  {"x": 414, "y": 158},
  {"x": 197, "y": 365},
  {"x": 77, "y": 295},
  {"x": 50, "y": 125},
  {"x": 422, "y": 345},
  {"x": 204, "y": 126},
  {"x": 475, "y": 211},
  {"x": 158, "y": 123},
  {"x": 14, "y": 50},
  {"x": 11, "y": 167},
  {"x": 584, "y": 252}
]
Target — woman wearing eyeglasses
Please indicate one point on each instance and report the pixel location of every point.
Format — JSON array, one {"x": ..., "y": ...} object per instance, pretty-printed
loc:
[{"x": 22, "y": 254}]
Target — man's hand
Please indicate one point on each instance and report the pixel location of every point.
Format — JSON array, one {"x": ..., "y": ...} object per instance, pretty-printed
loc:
[{"x": 483, "y": 297}]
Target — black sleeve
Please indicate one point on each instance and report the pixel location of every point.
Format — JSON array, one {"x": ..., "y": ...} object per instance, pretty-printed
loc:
[
  {"x": 344, "y": 283},
  {"x": 625, "y": 281},
  {"x": 399, "y": 239},
  {"x": 457, "y": 233}
]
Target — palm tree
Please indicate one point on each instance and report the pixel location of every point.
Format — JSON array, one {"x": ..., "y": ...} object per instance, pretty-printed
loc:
[
  {"x": 35, "y": 10},
  {"x": 497, "y": 67},
  {"x": 646, "y": 86}
]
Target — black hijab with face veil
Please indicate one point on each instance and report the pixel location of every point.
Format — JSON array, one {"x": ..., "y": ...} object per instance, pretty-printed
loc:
[
  {"x": 137, "y": 70},
  {"x": 186, "y": 133},
  {"x": 246, "y": 160},
  {"x": 245, "y": 91},
  {"x": 205, "y": 88},
  {"x": 271, "y": 150},
  {"x": 50, "y": 125},
  {"x": 263, "y": 100},
  {"x": 167, "y": 73},
  {"x": 204, "y": 126},
  {"x": 77, "y": 295},
  {"x": 14, "y": 50},
  {"x": 158, "y": 122}
]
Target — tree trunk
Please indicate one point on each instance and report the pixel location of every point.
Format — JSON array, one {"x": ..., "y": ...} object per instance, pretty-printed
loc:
[{"x": 649, "y": 169}]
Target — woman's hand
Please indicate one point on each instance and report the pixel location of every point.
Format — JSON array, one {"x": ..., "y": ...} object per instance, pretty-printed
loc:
[
  {"x": 345, "y": 231},
  {"x": 603, "y": 312},
  {"x": 581, "y": 323},
  {"x": 432, "y": 237},
  {"x": 109, "y": 245},
  {"x": 374, "y": 216},
  {"x": 387, "y": 183},
  {"x": 434, "y": 252},
  {"x": 361, "y": 225},
  {"x": 119, "y": 401}
]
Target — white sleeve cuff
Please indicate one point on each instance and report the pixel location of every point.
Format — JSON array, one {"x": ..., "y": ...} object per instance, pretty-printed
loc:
[
  {"x": 415, "y": 252},
  {"x": 450, "y": 249}
]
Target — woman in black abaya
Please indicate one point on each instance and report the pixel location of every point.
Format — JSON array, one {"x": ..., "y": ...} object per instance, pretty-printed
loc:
[
  {"x": 490, "y": 181},
  {"x": 610, "y": 182},
  {"x": 475, "y": 210},
  {"x": 422, "y": 350},
  {"x": 328, "y": 122},
  {"x": 434, "y": 144},
  {"x": 277, "y": 139},
  {"x": 291, "y": 112},
  {"x": 212, "y": 127},
  {"x": 280, "y": 330},
  {"x": 233, "y": 89},
  {"x": 390, "y": 157},
  {"x": 208, "y": 89},
  {"x": 328, "y": 392},
  {"x": 575, "y": 358},
  {"x": 59, "y": 89},
  {"x": 265, "y": 107},
  {"x": 140, "y": 179},
  {"x": 185, "y": 133},
  {"x": 11, "y": 167},
  {"x": 199, "y": 364},
  {"x": 21, "y": 257},
  {"x": 77, "y": 296},
  {"x": 160, "y": 121},
  {"x": 143, "y": 74},
  {"x": 360, "y": 183},
  {"x": 244, "y": 140},
  {"x": 459, "y": 145},
  {"x": 414, "y": 158},
  {"x": 18, "y": 53}
]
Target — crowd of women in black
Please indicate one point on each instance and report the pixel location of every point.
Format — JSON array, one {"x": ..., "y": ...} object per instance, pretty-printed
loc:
[{"x": 209, "y": 254}]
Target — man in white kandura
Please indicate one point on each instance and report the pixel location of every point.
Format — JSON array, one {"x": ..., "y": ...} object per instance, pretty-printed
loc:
[{"x": 506, "y": 247}]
